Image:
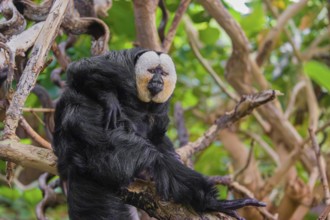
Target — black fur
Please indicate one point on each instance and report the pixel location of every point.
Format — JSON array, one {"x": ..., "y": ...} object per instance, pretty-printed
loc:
[{"x": 105, "y": 136}]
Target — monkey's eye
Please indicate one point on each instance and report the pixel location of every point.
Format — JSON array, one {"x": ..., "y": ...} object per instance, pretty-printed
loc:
[
  {"x": 159, "y": 71},
  {"x": 165, "y": 73},
  {"x": 153, "y": 71}
]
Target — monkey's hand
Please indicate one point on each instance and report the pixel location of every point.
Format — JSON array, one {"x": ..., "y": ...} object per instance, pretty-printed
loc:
[
  {"x": 112, "y": 112},
  {"x": 185, "y": 186},
  {"x": 229, "y": 207}
]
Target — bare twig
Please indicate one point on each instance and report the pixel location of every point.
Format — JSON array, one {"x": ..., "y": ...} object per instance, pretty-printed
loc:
[
  {"x": 243, "y": 108},
  {"x": 269, "y": 41},
  {"x": 194, "y": 46},
  {"x": 314, "y": 48},
  {"x": 273, "y": 181},
  {"x": 34, "y": 135},
  {"x": 265, "y": 146},
  {"x": 163, "y": 23},
  {"x": 325, "y": 213},
  {"x": 295, "y": 92},
  {"x": 320, "y": 129},
  {"x": 178, "y": 15},
  {"x": 38, "y": 109},
  {"x": 180, "y": 124},
  {"x": 321, "y": 166},
  {"x": 286, "y": 31},
  {"x": 248, "y": 162}
]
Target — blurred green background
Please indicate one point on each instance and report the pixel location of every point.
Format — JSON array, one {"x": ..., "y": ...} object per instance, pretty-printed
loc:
[{"x": 196, "y": 90}]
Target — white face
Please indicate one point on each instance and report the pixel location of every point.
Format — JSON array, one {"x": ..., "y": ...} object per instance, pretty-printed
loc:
[{"x": 150, "y": 60}]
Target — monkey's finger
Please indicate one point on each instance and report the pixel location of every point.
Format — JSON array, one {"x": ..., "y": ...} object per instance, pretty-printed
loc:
[
  {"x": 240, "y": 203},
  {"x": 233, "y": 214}
]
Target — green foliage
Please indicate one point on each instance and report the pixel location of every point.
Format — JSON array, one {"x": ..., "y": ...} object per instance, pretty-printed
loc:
[
  {"x": 213, "y": 161},
  {"x": 209, "y": 35},
  {"x": 17, "y": 204},
  {"x": 318, "y": 72},
  {"x": 254, "y": 22},
  {"x": 196, "y": 90}
]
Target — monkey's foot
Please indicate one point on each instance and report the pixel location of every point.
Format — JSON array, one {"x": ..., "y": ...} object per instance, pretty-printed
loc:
[{"x": 229, "y": 207}]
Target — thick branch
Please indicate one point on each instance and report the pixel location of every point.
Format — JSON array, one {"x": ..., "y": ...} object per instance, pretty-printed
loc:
[
  {"x": 14, "y": 23},
  {"x": 34, "y": 65},
  {"x": 32, "y": 11},
  {"x": 145, "y": 24},
  {"x": 28, "y": 156}
]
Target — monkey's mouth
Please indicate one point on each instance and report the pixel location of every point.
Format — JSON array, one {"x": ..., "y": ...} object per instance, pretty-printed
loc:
[{"x": 155, "y": 87}]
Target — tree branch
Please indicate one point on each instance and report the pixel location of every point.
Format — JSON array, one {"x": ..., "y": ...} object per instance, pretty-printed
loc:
[
  {"x": 268, "y": 43},
  {"x": 171, "y": 33},
  {"x": 145, "y": 24},
  {"x": 243, "y": 108},
  {"x": 34, "y": 135},
  {"x": 28, "y": 156},
  {"x": 321, "y": 165},
  {"x": 34, "y": 66}
]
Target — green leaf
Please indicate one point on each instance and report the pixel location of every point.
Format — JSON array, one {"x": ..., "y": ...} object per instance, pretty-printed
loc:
[
  {"x": 200, "y": 17},
  {"x": 319, "y": 73},
  {"x": 255, "y": 21},
  {"x": 26, "y": 141},
  {"x": 32, "y": 196},
  {"x": 8, "y": 193},
  {"x": 209, "y": 35},
  {"x": 212, "y": 161},
  {"x": 189, "y": 99}
]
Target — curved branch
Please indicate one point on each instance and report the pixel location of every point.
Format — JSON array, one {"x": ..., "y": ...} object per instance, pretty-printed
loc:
[
  {"x": 50, "y": 197},
  {"x": 14, "y": 23},
  {"x": 74, "y": 24},
  {"x": 33, "y": 11}
]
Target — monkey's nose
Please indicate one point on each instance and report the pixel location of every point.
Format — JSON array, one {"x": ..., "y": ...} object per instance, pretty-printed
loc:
[
  {"x": 156, "y": 84},
  {"x": 155, "y": 88}
]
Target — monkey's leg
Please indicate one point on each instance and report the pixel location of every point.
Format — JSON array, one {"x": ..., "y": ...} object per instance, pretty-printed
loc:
[
  {"x": 88, "y": 200},
  {"x": 188, "y": 187}
]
